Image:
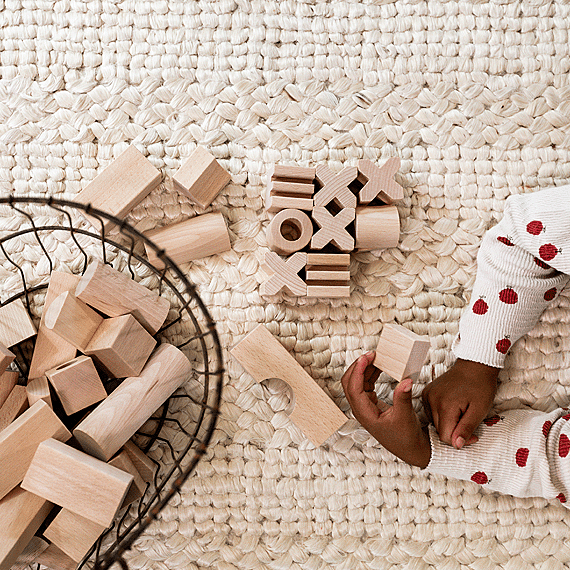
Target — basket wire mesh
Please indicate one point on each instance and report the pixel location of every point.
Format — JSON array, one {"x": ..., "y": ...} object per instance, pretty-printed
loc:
[{"x": 39, "y": 235}]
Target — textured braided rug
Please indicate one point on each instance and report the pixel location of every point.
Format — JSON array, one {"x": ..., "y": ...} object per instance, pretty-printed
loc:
[{"x": 475, "y": 99}]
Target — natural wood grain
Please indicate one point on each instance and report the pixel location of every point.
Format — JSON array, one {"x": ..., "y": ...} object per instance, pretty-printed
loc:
[
  {"x": 284, "y": 274},
  {"x": 15, "y": 323},
  {"x": 123, "y": 462},
  {"x": 291, "y": 173},
  {"x": 289, "y": 231},
  {"x": 379, "y": 182},
  {"x": 6, "y": 358},
  {"x": 38, "y": 389},
  {"x": 377, "y": 227},
  {"x": 114, "y": 294},
  {"x": 335, "y": 187},
  {"x": 77, "y": 482},
  {"x": 144, "y": 464},
  {"x": 264, "y": 357},
  {"x": 16, "y": 403},
  {"x": 115, "y": 420},
  {"x": 29, "y": 555},
  {"x": 54, "y": 559},
  {"x": 8, "y": 380},
  {"x": 333, "y": 229}
]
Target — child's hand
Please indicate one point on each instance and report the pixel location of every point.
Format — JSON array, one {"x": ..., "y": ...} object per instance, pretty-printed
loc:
[
  {"x": 397, "y": 428},
  {"x": 459, "y": 400}
]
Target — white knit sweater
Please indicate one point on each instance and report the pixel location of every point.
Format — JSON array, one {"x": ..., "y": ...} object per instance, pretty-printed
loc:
[{"x": 523, "y": 263}]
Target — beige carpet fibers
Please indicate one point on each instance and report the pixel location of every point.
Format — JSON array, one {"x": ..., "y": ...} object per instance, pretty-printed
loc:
[{"x": 474, "y": 97}]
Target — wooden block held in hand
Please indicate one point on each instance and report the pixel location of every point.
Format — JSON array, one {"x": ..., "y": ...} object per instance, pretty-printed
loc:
[
  {"x": 21, "y": 514},
  {"x": 19, "y": 441},
  {"x": 115, "y": 420},
  {"x": 289, "y": 231},
  {"x": 77, "y": 482},
  {"x": 73, "y": 534},
  {"x": 114, "y": 294},
  {"x": 264, "y": 357},
  {"x": 192, "y": 239},
  {"x": 38, "y": 389},
  {"x": 121, "y": 185},
  {"x": 50, "y": 350},
  {"x": 377, "y": 227},
  {"x": 72, "y": 320},
  {"x": 201, "y": 177},
  {"x": 16, "y": 403},
  {"x": 8, "y": 380},
  {"x": 77, "y": 384},
  {"x": 401, "y": 353},
  {"x": 15, "y": 323}
]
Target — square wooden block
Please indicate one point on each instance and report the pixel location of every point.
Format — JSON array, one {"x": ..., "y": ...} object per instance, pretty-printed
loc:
[
  {"x": 122, "y": 346},
  {"x": 77, "y": 384},
  {"x": 201, "y": 177},
  {"x": 401, "y": 353}
]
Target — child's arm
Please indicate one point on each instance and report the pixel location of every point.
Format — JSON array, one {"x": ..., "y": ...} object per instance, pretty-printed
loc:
[{"x": 523, "y": 263}]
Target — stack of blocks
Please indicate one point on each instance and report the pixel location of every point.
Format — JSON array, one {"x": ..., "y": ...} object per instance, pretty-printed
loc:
[
  {"x": 110, "y": 319},
  {"x": 318, "y": 218}
]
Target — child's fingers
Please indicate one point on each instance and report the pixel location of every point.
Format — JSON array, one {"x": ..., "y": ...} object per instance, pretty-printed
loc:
[{"x": 463, "y": 433}]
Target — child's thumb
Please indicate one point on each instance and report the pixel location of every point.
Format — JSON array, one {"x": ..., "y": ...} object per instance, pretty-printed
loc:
[{"x": 403, "y": 398}]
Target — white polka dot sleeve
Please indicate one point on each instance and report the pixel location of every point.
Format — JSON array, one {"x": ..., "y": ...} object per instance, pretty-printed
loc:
[
  {"x": 525, "y": 453},
  {"x": 522, "y": 265}
]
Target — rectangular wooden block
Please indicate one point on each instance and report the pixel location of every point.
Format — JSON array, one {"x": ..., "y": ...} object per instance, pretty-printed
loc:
[
  {"x": 263, "y": 356},
  {"x": 54, "y": 559},
  {"x": 115, "y": 420},
  {"x": 114, "y": 294},
  {"x": 29, "y": 555},
  {"x": 328, "y": 291},
  {"x": 77, "y": 482},
  {"x": 123, "y": 462},
  {"x": 15, "y": 323},
  {"x": 327, "y": 275},
  {"x": 6, "y": 357},
  {"x": 77, "y": 384},
  {"x": 74, "y": 535},
  {"x": 19, "y": 441},
  {"x": 50, "y": 350},
  {"x": 291, "y": 173},
  {"x": 201, "y": 177},
  {"x": 276, "y": 203},
  {"x": 401, "y": 353},
  {"x": 279, "y": 187},
  {"x": 38, "y": 389},
  {"x": 21, "y": 514},
  {"x": 121, "y": 345},
  {"x": 143, "y": 463},
  {"x": 73, "y": 320},
  {"x": 121, "y": 185},
  {"x": 334, "y": 260},
  {"x": 16, "y": 403},
  {"x": 8, "y": 380},
  {"x": 192, "y": 239}
]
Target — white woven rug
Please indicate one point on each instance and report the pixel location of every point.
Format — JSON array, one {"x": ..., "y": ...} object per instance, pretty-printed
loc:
[{"x": 475, "y": 99}]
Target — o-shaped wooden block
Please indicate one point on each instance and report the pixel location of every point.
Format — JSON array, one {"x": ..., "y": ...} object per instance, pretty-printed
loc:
[
  {"x": 377, "y": 227},
  {"x": 289, "y": 231}
]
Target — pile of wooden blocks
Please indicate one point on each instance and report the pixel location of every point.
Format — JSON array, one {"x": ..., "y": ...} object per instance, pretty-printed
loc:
[
  {"x": 98, "y": 325},
  {"x": 131, "y": 177},
  {"x": 319, "y": 218}
]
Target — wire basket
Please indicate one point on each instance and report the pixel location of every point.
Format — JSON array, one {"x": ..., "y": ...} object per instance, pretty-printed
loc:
[{"x": 39, "y": 235}]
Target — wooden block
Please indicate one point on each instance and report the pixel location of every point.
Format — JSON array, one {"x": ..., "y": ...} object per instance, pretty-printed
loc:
[
  {"x": 328, "y": 291},
  {"x": 143, "y": 463},
  {"x": 74, "y": 535},
  {"x": 379, "y": 182},
  {"x": 335, "y": 187},
  {"x": 121, "y": 185},
  {"x": 302, "y": 188},
  {"x": 192, "y": 239},
  {"x": 38, "y": 389},
  {"x": 8, "y": 380},
  {"x": 77, "y": 482},
  {"x": 54, "y": 559},
  {"x": 73, "y": 320},
  {"x": 285, "y": 274},
  {"x": 333, "y": 260},
  {"x": 275, "y": 203},
  {"x": 291, "y": 173},
  {"x": 333, "y": 229},
  {"x": 15, "y": 324},
  {"x": 121, "y": 345},
  {"x": 401, "y": 353},
  {"x": 6, "y": 357},
  {"x": 50, "y": 350},
  {"x": 377, "y": 227},
  {"x": 21, "y": 514},
  {"x": 18, "y": 442},
  {"x": 264, "y": 357},
  {"x": 77, "y": 384},
  {"x": 201, "y": 177},
  {"x": 327, "y": 275},
  {"x": 115, "y": 420},
  {"x": 123, "y": 462},
  {"x": 29, "y": 555},
  {"x": 115, "y": 294},
  {"x": 289, "y": 231},
  {"x": 14, "y": 406}
]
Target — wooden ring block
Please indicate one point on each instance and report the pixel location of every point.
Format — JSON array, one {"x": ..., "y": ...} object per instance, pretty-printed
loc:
[
  {"x": 294, "y": 220},
  {"x": 263, "y": 356},
  {"x": 377, "y": 227}
]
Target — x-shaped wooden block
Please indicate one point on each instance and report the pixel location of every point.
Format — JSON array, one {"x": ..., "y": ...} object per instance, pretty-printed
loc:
[
  {"x": 379, "y": 182},
  {"x": 285, "y": 274},
  {"x": 333, "y": 229},
  {"x": 335, "y": 186}
]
